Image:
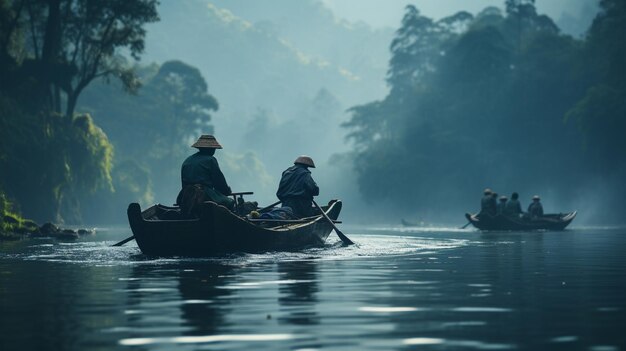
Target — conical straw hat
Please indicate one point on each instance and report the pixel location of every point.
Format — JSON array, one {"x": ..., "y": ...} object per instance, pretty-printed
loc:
[{"x": 207, "y": 142}]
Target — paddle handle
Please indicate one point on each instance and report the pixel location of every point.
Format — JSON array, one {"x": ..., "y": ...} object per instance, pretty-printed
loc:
[
  {"x": 242, "y": 193},
  {"x": 124, "y": 241}
]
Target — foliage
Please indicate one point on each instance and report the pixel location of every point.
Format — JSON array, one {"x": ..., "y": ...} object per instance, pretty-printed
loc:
[
  {"x": 488, "y": 105},
  {"x": 49, "y": 159},
  {"x": 49, "y": 53},
  {"x": 8, "y": 228},
  {"x": 151, "y": 132},
  {"x": 69, "y": 43}
]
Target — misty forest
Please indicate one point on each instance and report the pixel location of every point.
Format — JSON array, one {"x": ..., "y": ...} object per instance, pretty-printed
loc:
[{"x": 101, "y": 100}]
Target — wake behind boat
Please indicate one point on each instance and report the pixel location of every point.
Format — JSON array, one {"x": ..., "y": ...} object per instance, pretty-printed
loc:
[
  {"x": 160, "y": 231},
  {"x": 503, "y": 222}
]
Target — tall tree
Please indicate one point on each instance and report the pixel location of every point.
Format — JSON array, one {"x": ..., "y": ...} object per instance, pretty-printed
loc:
[
  {"x": 76, "y": 41},
  {"x": 413, "y": 50},
  {"x": 190, "y": 103}
]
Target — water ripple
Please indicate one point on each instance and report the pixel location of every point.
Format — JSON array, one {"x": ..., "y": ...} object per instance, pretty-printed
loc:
[
  {"x": 204, "y": 339},
  {"x": 101, "y": 253}
]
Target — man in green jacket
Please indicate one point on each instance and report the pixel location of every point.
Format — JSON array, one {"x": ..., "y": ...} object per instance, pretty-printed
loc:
[
  {"x": 513, "y": 206},
  {"x": 201, "y": 177}
]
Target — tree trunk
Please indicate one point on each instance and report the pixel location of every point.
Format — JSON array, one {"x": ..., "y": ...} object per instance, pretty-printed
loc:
[
  {"x": 72, "y": 100},
  {"x": 11, "y": 28},
  {"x": 52, "y": 36},
  {"x": 50, "y": 51}
]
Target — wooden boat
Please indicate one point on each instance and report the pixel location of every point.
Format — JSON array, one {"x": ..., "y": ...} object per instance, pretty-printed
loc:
[
  {"x": 501, "y": 222},
  {"x": 408, "y": 223},
  {"x": 159, "y": 231}
]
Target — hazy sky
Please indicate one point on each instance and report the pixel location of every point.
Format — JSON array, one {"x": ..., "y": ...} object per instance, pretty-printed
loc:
[{"x": 380, "y": 13}]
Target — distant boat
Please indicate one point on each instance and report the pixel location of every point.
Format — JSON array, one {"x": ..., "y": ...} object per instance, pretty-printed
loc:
[
  {"x": 408, "y": 223},
  {"x": 501, "y": 222},
  {"x": 160, "y": 231}
]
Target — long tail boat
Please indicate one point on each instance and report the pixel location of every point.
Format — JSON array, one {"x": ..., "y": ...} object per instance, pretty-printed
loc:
[
  {"x": 556, "y": 221},
  {"x": 160, "y": 231}
]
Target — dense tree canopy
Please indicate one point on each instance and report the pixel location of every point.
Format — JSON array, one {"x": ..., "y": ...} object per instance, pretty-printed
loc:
[
  {"x": 69, "y": 43},
  {"x": 50, "y": 51},
  {"x": 491, "y": 102}
]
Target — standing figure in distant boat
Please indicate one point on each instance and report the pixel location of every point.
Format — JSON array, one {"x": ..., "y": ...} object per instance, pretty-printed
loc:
[
  {"x": 297, "y": 187},
  {"x": 202, "y": 180},
  {"x": 501, "y": 205},
  {"x": 535, "y": 209},
  {"x": 488, "y": 203},
  {"x": 513, "y": 206}
]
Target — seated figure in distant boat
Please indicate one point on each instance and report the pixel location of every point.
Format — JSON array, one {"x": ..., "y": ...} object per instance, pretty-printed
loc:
[
  {"x": 513, "y": 206},
  {"x": 501, "y": 205},
  {"x": 297, "y": 187},
  {"x": 202, "y": 180},
  {"x": 535, "y": 209},
  {"x": 488, "y": 203}
]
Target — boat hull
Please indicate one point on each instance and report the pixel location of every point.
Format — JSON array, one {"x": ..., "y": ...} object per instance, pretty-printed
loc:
[
  {"x": 503, "y": 223},
  {"x": 219, "y": 231}
]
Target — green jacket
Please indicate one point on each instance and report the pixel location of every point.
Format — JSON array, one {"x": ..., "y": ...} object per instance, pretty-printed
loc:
[{"x": 203, "y": 169}]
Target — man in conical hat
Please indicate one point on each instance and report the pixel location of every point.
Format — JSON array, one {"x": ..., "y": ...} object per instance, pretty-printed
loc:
[
  {"x": 535, "y": 209},
  {"x": 488, "y": 203},
  {"x": 202, "y": 179},
  {"x": 297, "y": 187}
]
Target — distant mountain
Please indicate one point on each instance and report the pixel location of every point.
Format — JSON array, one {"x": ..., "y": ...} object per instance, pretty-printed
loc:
[
  {"x": 315, "y": 30},
  {"x": 278, "y": 61}
]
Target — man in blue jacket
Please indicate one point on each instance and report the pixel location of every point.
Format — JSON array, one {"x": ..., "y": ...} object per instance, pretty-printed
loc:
[{"x": 297, "y": 187}]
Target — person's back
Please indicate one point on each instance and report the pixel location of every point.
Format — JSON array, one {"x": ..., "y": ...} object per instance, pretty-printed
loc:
[
  {"x": 297, "y": 187},
  {"x": 535, "y": 209},
  {"x": 513, "y": 206},
  {"x": 202, "y": 168},
  {"x": 501, "y": 205},
  {"x": 201, "y": 178},
  {"x": 488, "y": 203}
]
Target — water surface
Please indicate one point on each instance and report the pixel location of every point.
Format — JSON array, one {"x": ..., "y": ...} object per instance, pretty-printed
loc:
[{"x": 397, "y": 289}]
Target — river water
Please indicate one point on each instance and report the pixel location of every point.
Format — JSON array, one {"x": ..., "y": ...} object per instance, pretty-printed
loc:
[{"x": 397, "y": 289}]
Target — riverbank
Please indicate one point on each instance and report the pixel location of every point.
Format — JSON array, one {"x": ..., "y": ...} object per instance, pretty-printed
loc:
[{"x": 15, "y": 227}]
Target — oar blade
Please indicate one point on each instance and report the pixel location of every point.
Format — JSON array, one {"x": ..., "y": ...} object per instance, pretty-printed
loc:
[
  {"x": 341, "y": 235},
  {"x": 346, "y": 241}
]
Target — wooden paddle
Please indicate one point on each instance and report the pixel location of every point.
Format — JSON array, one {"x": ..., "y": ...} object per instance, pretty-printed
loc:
[
  {"x": 124, "y": 241},
  {"x": 342, "y": 236},
  {"x": 469, "y": 220}
]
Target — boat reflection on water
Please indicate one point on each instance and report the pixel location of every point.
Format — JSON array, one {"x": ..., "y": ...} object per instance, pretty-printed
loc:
[
  {"x": 185, "y": 298},
  {"x": 298, "y": 297},
  {"x": 205, "y": 302}
]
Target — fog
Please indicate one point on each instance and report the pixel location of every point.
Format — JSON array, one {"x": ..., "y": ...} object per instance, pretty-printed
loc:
[
  {"x": 284, "y": 73},
  {"x": 409, "y": 109},
  {"x": 287, "y": 76}
]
